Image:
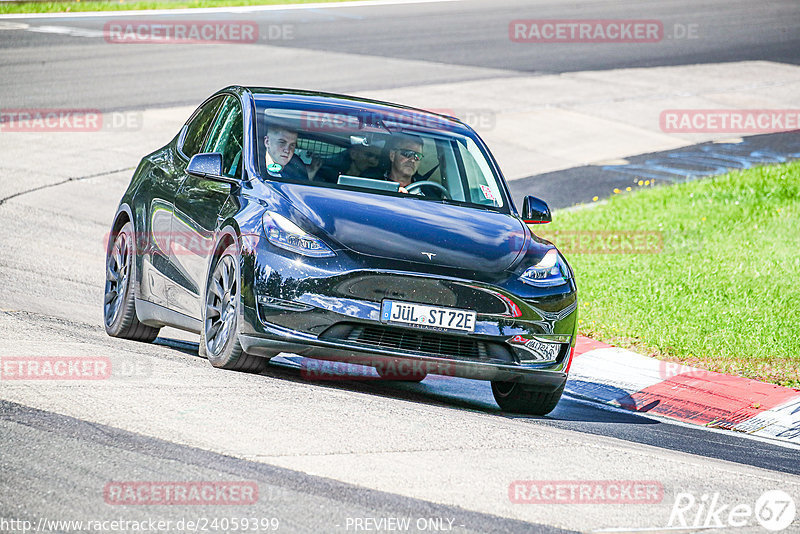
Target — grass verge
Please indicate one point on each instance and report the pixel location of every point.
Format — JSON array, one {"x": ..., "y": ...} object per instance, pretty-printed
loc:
[
  {"x": 125, "y": 5},
  {"x": 723, "y": 291}
]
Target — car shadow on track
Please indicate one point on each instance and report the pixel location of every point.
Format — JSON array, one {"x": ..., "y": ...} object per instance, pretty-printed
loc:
[
  {"x": 435, "y": 390},
  {"x": 186, "y": 347}
]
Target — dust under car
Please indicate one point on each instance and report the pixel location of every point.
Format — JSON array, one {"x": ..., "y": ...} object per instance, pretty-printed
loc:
[{"x": 274, "y": 222}]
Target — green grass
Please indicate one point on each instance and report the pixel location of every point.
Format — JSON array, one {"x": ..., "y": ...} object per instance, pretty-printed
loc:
[
  {"x": 118, "y": 5},
  {"x": 724, "y": 292}
]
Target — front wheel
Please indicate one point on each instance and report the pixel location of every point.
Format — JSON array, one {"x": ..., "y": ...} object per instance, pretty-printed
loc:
[
  {"x": 219, "y": 335},
  {"x": 517, "y": 398}
]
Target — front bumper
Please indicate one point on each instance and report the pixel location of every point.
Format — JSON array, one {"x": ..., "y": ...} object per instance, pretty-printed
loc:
[
  {"x": 330, "y": 310},
  {"x": 406, "y": 364}
]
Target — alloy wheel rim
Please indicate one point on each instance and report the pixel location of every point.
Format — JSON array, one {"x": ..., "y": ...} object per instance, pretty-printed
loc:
[
  {"x": 221, "y": 305},
  {"x": 117, "y": 272}
]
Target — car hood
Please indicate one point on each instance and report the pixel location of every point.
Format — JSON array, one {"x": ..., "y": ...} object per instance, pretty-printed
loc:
[{"x": 410, "y": 229}]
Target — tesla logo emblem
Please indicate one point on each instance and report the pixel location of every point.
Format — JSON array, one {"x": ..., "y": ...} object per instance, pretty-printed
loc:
[{"x": 429, "y": 254}]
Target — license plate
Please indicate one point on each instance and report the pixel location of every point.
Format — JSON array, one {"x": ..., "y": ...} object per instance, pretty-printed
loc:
[{"x": 408, "y": 313}]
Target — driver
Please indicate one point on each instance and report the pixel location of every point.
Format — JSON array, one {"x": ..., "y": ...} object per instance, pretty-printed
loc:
[{"x": 404, "y": 157}]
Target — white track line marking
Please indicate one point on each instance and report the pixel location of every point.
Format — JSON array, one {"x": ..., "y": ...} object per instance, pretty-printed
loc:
[
  {"x": 65, "y": 30},
  {"x": 13, "y": 26},
  {"x": 207, "y": 10}
]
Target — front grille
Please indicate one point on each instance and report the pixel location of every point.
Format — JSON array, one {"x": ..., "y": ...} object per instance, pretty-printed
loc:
[{"x": 419, "y": 342}]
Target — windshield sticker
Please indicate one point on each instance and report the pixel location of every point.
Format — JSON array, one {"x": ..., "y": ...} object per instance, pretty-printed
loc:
[
  {"x": 274, "y": 168},
  {"x": 487, "y": 192}
]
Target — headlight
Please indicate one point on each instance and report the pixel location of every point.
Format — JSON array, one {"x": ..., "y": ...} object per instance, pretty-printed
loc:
[
  {"x": 552, "y": 270},
  {"x": 283, "y": 233}
]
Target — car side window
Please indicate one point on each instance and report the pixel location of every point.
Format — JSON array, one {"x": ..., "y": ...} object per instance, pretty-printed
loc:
[
  {"x": 198, "y": 127},
  {"x": 483, "y": 187},
  {"x": 226, "y": 137}
]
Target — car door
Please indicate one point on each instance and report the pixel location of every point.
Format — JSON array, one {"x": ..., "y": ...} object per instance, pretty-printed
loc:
[
  {"x": 159, "y": 273},
  {"x": 165, "y": 175},
  {"x": 198, "y": 206}
]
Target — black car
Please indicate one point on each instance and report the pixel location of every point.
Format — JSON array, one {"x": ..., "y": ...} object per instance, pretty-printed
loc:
[{"x": 342, "y": 229}]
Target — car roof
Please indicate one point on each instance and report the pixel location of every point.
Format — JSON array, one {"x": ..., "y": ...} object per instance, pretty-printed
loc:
[{"x": 346, "y": 103}]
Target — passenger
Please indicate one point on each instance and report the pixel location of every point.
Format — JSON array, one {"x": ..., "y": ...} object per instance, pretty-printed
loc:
[
  {"x": 281, "y": 159},
  {"x": 358, "y": 160},
  {"x": 363, "y": 159}
]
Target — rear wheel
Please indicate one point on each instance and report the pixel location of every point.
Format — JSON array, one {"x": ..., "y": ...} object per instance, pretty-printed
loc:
[
  {"x": 219, "y": 335},
  {"x": 119, "y": 304},
  {"x": 519, "y": 398}
]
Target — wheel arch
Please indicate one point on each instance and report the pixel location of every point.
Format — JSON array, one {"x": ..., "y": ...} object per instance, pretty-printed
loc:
[
  {"x": 123, "y": 216},
  {"x": 227, "y": 235}
]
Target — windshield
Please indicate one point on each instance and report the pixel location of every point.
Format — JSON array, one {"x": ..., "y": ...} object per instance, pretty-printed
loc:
[{"x": 389, "y": 153}]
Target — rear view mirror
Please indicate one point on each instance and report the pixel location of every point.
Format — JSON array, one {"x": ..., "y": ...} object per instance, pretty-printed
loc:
[
  {"x": 209, "y": 165},
  {"x": 535, "y": 211}
]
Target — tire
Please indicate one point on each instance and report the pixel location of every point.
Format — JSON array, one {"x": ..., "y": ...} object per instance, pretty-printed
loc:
[
  {"x": 219, "y": 334},
  {"x": 516, "y": 398},
  {"x": 119, "y": 303}
]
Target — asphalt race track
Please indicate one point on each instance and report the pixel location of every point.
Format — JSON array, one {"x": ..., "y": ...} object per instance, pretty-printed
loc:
[
  {"x": 326, "y": 456},
  {"x": 401, "y": 45}
]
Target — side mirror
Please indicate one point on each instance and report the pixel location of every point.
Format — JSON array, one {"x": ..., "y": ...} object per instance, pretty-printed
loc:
[
  {"x": 535, "y": 211},
  {"x": 209, "y": 165}
]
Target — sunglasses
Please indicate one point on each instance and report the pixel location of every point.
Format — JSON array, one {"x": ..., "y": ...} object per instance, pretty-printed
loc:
[{"x": 410, "y": 154}]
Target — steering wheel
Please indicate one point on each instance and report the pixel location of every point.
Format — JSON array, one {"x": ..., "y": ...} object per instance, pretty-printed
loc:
[{"x": 423, "y": 183}]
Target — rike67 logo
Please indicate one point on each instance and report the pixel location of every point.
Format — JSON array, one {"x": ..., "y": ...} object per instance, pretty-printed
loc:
[{"x": 774, "y": 510}]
